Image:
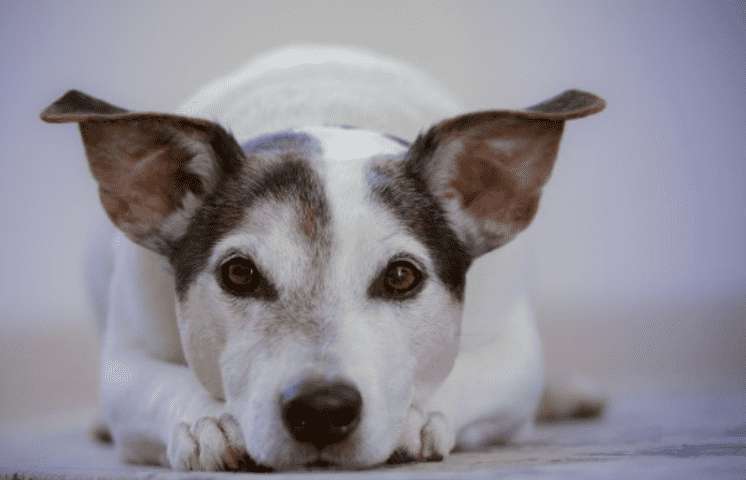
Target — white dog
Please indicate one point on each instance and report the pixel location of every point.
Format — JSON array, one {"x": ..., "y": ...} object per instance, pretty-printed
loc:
[{"x": 291, "y": 293}]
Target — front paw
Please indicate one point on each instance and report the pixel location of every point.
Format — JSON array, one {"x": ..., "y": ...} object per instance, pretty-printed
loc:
[
  {"x": 210, "y": 444},
  {"x": 425, "y": 438}
]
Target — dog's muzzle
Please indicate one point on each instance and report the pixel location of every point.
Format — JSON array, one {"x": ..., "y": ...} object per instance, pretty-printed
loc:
[{"x": 321, "y": 412}]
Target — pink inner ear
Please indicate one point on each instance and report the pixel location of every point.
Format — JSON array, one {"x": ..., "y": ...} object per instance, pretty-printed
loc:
[
  {"x": 500, "y": 170},
  {"x": 143, "y": 163},
  {"x": 142, "y": 173}
]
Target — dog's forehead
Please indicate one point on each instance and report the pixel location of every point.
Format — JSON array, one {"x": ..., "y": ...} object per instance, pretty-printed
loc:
[
  {"x": 320, "y": 210},
  {"x": 345, "y": 143},
  {"x": 349, "y": 193}
]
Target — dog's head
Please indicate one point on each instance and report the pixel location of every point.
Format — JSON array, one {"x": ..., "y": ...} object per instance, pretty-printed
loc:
[{"x": 320, "y": 272}]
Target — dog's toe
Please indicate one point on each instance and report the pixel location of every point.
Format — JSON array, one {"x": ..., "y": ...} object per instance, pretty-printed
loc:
[
  {"x": 214, "y": 452},
  {"x": 437, "y": 438},
  {"x": 211, "y": 444},
  {"x": 183, "y": 450},
  {"x": 425, "y": 438}
]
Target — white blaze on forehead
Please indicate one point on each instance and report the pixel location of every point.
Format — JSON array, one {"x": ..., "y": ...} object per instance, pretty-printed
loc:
[
  {"x": 358, "y": 224},
  {"x": 365, "y": 233},
  {"x": 340, "y": 144}
]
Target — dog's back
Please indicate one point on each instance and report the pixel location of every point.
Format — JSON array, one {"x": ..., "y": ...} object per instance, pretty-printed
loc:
[{"x": 309, "y": 85}]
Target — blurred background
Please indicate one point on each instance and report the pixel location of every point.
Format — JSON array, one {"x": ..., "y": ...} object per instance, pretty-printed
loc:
[{"x": 639, "y": 249}]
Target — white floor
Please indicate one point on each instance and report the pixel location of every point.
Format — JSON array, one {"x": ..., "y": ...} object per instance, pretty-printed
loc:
[{"x": 693, "y": 436}]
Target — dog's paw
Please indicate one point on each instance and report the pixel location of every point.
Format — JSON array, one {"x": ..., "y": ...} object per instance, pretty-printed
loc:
[
  {"x": 437, "y": 438},
  {"x": 425, "y": 438},
  {"x": 210, "y": 444}
]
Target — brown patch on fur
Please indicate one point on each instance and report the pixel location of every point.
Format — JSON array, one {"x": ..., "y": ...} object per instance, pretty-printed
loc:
[
  {"x": 308, "y": 221},
  {"x": 568, "y": 105},
  {"x": 141, "y": 171},
  {"x": 504, "y": 160},
  {"x": 141, "y": 161},
  {"x": 501, "y": 168}
]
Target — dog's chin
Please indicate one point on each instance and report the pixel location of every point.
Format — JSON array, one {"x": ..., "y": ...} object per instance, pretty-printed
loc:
[
  {"x": 268, "y": 444},
  {"x": 321, "y": 464},
  {"x": 323, "y": 461},
  {"x": 336, "y": 457},
  {"x": 317, "y": 463},
  {"x": 349, "y": 463}
]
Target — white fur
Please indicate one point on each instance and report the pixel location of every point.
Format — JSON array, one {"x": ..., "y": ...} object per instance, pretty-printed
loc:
[
  {"x": 299, "y": 86},
  {"x": 353, "y": 144},
  {"x": 398, "y": 357}
]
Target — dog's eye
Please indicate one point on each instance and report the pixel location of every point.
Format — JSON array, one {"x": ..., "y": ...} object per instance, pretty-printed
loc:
[
  {"x": 240, "y": 276},
  {"x": 401, "y": 279}
]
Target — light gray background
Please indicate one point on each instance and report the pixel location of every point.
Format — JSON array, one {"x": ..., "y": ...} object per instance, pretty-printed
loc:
[{"x": 640, "y": 245}]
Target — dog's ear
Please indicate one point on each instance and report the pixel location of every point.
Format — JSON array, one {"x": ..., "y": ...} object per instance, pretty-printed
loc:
[
  {"x": 487, "y": 169},
  {"x": 153, "y": 170}
]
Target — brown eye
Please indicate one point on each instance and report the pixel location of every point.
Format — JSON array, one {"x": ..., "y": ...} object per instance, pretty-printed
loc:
[
  {"x": 401, "y": 278},
  {"x": 239, "y": 276}
]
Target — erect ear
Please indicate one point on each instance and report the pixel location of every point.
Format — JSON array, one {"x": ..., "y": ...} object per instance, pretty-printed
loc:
[
  {"x": 153, "y": 170},
  {"x": 487, "y": 169}
]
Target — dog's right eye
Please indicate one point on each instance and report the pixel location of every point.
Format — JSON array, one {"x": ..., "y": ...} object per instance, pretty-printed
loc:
[{"x": 239, "y": 276}]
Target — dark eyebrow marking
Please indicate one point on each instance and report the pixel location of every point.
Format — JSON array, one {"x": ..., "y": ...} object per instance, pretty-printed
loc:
[
  {"x": 390, "y": 136},
  {"x": 287, "y": 140},
  {"x": 287, "y": 178},
  {"x": 408, "y": 198},
  {"x": 398, "y": 140}
]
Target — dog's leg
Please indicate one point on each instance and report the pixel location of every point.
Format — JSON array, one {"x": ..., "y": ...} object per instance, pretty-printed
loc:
[
  {"x": 159, "y": 413},
  {"x": 425, "y": 437},
  {"x": 493, "y": 391},
  {"x": 155, "y": 407},
  {"x": 98, "y": 269}
]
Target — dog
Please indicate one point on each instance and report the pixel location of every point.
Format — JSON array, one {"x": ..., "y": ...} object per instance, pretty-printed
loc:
[{"x": 289, "y": 293}]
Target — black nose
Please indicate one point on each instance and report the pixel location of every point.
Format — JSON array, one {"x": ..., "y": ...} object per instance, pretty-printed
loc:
[{"x": 321, "y": 412}]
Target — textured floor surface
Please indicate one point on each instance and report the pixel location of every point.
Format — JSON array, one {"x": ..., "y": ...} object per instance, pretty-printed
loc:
[{"x": 700, "y": 436}]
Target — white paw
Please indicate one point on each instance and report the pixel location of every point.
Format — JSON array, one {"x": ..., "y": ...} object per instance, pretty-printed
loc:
[
  {"x": 210, "y": 444},
  {"x": 425, "y": 438},
  {"x": 437, "y": 438}
]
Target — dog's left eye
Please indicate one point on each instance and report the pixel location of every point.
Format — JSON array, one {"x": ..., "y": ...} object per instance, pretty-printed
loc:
[
  {"x": 239, "y": 276},
  {"x": 402, "y": 279}
]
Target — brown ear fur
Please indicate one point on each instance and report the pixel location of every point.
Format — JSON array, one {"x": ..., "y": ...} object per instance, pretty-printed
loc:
[
  {"x": 488, "y": 168},
  {"x": 147, "y": 164},
  {"x": 76, "y": 106}
]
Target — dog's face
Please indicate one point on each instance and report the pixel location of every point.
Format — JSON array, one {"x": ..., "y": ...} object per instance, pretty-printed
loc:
[
  {"x": 314, "y": 278},
  {"x": 320, "y": 272}
]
